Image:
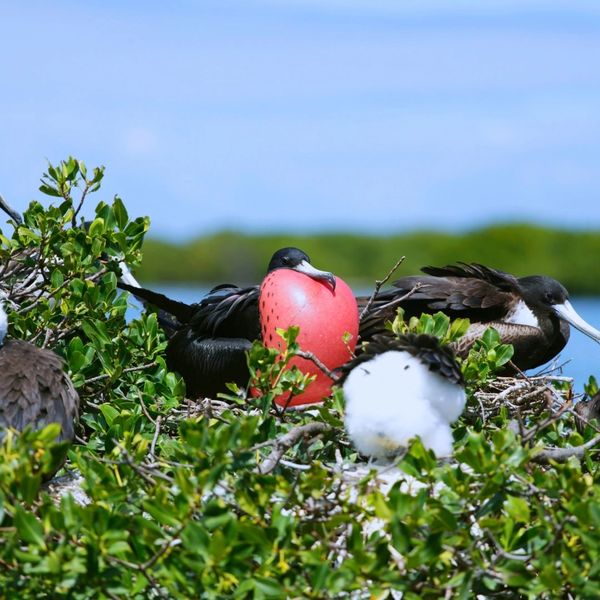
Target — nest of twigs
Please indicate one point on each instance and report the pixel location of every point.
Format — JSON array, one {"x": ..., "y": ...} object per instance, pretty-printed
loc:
[{"x": 523, "y": 396}]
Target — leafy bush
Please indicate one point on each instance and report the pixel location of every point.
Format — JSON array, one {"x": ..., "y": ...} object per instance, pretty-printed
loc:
[{"x": 231, "y": 498}]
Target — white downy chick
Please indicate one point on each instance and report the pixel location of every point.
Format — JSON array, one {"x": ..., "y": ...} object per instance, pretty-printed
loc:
[{"x": 399, "y": 388}]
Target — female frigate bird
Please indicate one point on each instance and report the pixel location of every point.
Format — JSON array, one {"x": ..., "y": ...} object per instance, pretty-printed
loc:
[
  {"x": 34, "y": 389},
  {"x": 210, "y": 339},
  {"x": 532, "y": 313}
]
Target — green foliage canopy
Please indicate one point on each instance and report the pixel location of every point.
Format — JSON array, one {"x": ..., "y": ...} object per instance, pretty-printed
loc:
[{"x": 180, "y": 502}]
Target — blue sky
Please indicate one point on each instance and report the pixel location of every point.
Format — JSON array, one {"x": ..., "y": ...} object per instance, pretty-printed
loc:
[{"x": 307, "y": 115}]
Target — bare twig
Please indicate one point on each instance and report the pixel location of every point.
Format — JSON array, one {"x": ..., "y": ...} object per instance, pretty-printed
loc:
[
  {"x": 155, "y": 438},
  {"x": 43, "y": 295},
  {"x": 84, "y": 193},
  {"x": 293, "y": 465},
  {"x": 285, "y": 442},
  {"x": 397, "y": 301},
  {"x": 320, "y": 365},
  {"x": 128, "y": 370},
  {"x": 509, "y": 390},
  {"x": 378, "y": 284},
  {"x": 531, "y": 433},
  {"x": 98, "y": 274},
  {"x": 145, "y": 410}
]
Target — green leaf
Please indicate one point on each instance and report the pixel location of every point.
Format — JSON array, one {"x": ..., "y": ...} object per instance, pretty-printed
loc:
[
  {"x": 120, "y": 213},
  {"x": 110, "y": 413},
  {"x": 517, "y": 508},
  {"x": 490, "y": 337},
  {"x": 504, "y": 352},
  {"x": 29, "y": 528},
  {"x": 96, "y": 228},
  {"x": 161, "y": 513}
]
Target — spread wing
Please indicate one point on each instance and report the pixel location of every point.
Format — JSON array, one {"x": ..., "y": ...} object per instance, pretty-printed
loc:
[{"x": 34, "y": 389}]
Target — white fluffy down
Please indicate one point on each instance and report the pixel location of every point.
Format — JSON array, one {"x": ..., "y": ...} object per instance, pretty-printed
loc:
[{"x": 395, "y": 397}]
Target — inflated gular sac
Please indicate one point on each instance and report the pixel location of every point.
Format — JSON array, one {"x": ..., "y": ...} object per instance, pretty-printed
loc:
[{"x": 328, "y": 320}]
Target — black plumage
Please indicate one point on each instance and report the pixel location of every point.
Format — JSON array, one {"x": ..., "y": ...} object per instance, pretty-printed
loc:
[
  {"x": 437, "y": 357},
  {"x": 531, "y": 313},
  {"x": 209, "y": 339}
]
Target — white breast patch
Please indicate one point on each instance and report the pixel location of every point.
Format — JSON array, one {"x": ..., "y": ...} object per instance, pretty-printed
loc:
[{"x": 521, "y": 315}]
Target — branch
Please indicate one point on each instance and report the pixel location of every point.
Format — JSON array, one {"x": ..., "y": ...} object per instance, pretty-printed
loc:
[
  {"x": 128, "y": 370},
  {"x": 80, "y": 205},
  {"x": 533, "y": 431},
  {"x": 378, "y": 284},
  {"x": 310, "y": 356},
  {"x": 563, "y": 454},
  {"x": 285, "y": 442},
  {"x": 10, "y": 211},
  {"x": 397, "y": 300},
  {"x": 155, "y": 438}
]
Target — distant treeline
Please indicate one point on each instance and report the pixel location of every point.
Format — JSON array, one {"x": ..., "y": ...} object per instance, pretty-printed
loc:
[{"x": 573, "y": 257}]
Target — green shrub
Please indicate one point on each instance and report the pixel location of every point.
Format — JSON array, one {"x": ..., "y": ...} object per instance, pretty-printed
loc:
[{"x": 191, "y": 499}]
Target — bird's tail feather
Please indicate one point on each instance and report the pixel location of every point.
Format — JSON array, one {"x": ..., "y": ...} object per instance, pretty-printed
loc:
[{"x": 168, "y": 308}]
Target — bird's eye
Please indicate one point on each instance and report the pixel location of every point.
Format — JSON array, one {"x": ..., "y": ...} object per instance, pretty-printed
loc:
[{"x": 285, "y": 260}]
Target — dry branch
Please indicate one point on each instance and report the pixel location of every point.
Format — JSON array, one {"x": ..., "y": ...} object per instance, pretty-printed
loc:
[
  {"x": 318, "y": 363},
  {"x": 563, "y": 454},
  {"x": 286, "y": 441}
]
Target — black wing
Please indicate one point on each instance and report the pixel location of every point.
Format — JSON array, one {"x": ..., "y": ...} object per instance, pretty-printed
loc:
[
  {"x": 499, "y": 279},
  {"x": 474, "y": 291},
  {"x": 228, "y": 311},
  {"x": 211, "y": 349}
]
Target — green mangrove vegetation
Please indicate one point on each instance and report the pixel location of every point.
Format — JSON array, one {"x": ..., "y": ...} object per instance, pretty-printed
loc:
[
  {"x": 572, "y": 257},
  {"x": 172, "y": 497}
]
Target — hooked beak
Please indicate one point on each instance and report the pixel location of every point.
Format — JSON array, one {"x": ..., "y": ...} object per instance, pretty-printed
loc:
[
  {"x": 306, "y": 268},
  {"x": 567, "y": 312}
]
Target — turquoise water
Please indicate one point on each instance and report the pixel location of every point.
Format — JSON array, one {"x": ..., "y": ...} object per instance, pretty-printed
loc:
[{"x": 579, "y": 359}]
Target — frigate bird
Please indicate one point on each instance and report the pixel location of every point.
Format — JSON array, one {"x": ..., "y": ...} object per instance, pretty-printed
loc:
[
  {"x": 401, "y": 387},
  {"x": 210, "y": 339},
  {"x": 532, "y": 313},
  {"x": 34, "y": 389},
  {"x": 586, "y": 410}
]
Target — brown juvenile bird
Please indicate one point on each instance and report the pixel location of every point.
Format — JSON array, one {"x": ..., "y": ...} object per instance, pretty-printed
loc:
[
  {"x": 34, "y": 389},
  {"x": 587, "y": 410}
]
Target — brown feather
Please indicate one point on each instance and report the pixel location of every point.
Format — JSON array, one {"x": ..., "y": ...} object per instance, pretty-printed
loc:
[{"x": 34, "y": 389}]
